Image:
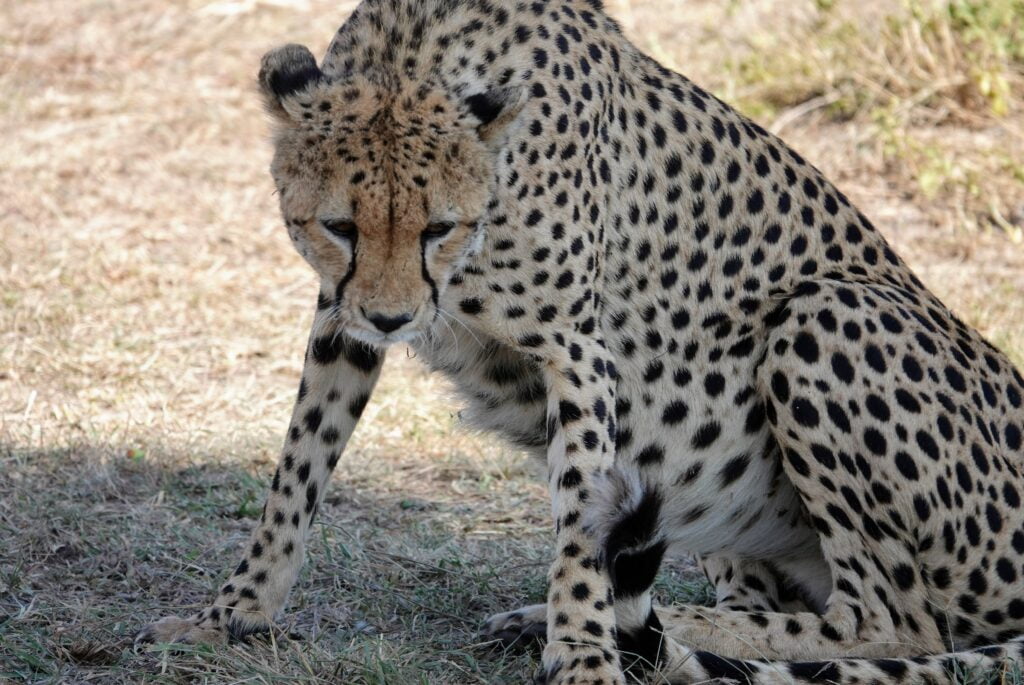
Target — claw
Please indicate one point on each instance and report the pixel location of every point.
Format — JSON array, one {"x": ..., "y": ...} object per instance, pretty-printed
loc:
[
  {"x": 142, "y": 638},
  {"x": 520, "y": 629},
  {"x": 519, "y": 636},
  {"x": 546, "y": 675}
]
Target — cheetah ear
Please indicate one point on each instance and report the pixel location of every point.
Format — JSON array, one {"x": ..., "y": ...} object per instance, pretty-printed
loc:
[
  {"x": 496, "y": 110},
  {"x": 285, "y": 71}
]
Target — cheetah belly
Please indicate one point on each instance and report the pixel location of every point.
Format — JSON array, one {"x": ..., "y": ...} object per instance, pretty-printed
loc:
[
  {"x": 691, "y": 425},
  {"x": 730, "y": 497},
  {"x": 709, "y": 507}
]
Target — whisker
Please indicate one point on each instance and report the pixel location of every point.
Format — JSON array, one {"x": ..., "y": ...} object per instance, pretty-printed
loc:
[
  {"x": 464, "y": 326},
  {"x": 444, "y": 319}
]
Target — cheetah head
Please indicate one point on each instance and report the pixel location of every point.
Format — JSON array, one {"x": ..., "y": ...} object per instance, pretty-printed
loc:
[{"x": 383, "y": 184}]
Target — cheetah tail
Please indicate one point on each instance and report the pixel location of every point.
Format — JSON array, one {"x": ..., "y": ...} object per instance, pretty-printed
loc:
[{"x": 991, "y": 664}]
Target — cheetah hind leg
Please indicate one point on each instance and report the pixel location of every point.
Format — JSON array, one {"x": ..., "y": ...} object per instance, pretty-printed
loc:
[
  {"x": 752, "y": 585},
  {"x": 855, "y": 640}
]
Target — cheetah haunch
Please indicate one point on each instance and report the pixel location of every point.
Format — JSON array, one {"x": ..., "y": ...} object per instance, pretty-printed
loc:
[{"x": 715, "y": 352}]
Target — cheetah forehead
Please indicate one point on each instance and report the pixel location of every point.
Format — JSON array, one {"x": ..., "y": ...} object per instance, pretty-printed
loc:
[{"x": 359, "y": 106}]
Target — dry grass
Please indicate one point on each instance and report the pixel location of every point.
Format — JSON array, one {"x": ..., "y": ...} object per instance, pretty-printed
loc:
[
  {"x": 152, "y": 318},
  {"x": 933, "y": 88}
]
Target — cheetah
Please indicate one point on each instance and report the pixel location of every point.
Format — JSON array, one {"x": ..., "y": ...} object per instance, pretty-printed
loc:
[{"x": 712, "y": 349}]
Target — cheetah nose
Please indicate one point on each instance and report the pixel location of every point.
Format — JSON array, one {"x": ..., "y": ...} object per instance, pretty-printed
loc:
[{"x": 385, "y": 323}]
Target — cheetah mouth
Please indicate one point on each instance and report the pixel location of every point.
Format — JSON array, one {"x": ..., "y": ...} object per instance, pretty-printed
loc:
[{"x": 378, "y": 339}]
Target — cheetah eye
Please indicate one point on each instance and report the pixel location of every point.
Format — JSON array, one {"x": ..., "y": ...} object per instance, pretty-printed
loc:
[
  {"x": 438, "y": 229},
  {"x": 341, "y": 228}
]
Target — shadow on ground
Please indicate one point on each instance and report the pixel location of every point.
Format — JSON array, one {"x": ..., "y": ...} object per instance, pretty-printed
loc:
[{"x": 98, "y": 541}]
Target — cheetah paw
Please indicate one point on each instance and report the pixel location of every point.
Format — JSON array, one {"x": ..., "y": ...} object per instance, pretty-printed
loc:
[
  {"x": 570, "y": 664},
  {"x": 520, "y": 628},
  {"x": 193, "y": 630}
]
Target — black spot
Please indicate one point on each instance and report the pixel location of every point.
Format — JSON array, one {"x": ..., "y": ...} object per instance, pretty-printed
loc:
[
  {"x": 1013, "y": 436},
  {"x": 706, "y": 435},
  {"x": 955, "y": 379},
  {"x": 907, "y": 401},
  {"x": 674, "y": 165},
  {"x": 471, "y": 306},
  {"x": 719, "y": 667},
  {"x": 568, "y": 412},
  {"x": 877, "y": 407},
  {"x": 892, "y": 667},
  {"x": 842, "y": 367},
  {"x": 328, "y": 348},
  {"x": 303, "y": 472},
  {"x": 707, "y": 153},
  {"x": 1005, "y": 569},
  {"x": 780, "y": 386},
  {"x": 358, "y": 404},
  {"x": 904, "y": 576},
  {"x": 927, "y": 445},
  {"x": 734, "y": 468},
  {"x": 755, "y": 203},
  {"x": 531, "y": 340},
  {"x": 993, "y": 518},
  {"x": 875, "y": 441},
  {"x": 875, "y": 359},
  {"x": 311, "y": 494},
  {"x": 330, "y": 435},
  {"x": 828, "y": 631},
  {"x": 571, "y": 478},
  {"x": 675, "y": 412},
  {"x": 824, "y": 456},
  {"x": 652, "y": 454},
  {"x": 805, "y": 413},
  {"x": 806, "y": 347},
  {"x": 838, "y": 416},
  {"x": 755, "y": 418},
  {"x": 312, "y": 419},
  {"x": 906, "y": 465},
  {"x": 816, "y": 671}
]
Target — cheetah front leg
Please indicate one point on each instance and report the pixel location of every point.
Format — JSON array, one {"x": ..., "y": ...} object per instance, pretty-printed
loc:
[
  {"x": 581, "y": 440},
  {"x": 337, "y": 378}
]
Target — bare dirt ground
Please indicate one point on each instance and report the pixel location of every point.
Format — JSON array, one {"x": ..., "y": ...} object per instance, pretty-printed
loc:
[{"x": 152, "y": 322}]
